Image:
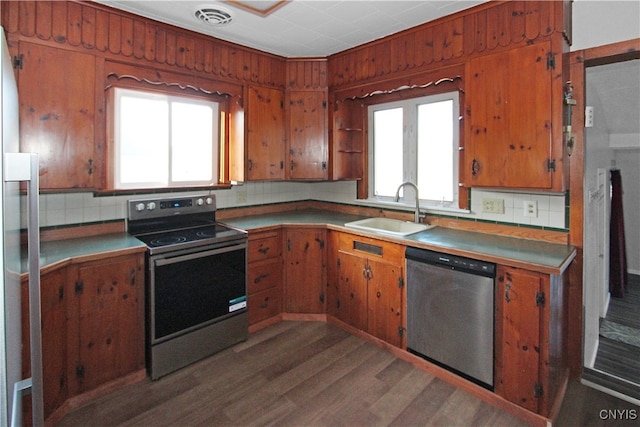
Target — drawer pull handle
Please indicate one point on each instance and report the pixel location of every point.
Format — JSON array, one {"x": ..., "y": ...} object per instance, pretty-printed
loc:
[
  {"x": 265, "y": 304},
  {"x": 264, "y": 250},
  {"x": 260, "y": 278}
]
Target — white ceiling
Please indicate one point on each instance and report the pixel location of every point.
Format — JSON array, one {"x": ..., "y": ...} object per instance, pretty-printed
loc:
[{"x": 301, "y": 28}]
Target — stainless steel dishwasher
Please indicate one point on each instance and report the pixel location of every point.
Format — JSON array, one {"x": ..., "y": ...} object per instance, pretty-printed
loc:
[{"x": 450, "y": 312}]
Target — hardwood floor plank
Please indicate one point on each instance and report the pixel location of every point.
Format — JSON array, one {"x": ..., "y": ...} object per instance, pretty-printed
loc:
[
  {"x": 426, "y": 404},
  {"x": 293, "y": 374},
  {"x": 401, "y": 395},
  {"x": 616, "y": 358}
]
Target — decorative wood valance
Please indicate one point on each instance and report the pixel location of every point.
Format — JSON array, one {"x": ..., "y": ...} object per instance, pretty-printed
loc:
[
  {"x": 406, "y": 87},
  {"x": 167, "y": 84},
  {"x": 452, "y": 76},
  {"x": 117, "y": 73}
]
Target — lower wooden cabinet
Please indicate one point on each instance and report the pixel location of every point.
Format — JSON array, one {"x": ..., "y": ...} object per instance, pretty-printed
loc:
[
  {"x": 366, "y": 285},
  {"x": 92, "y": 326},
  {"x": 305, "y": 270},
  {"x": 264, "y": 288},
  {"x": 530, "y": 310},
  {"x": 108, "y": 336}
]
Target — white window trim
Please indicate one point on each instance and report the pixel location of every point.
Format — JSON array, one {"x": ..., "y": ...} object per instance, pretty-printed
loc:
[
  {"x": 408, "y": 203},
  {"x": 118, "y": 92}
]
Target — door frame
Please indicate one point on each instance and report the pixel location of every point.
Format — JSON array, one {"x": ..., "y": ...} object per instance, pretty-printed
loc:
[{"x": 576, "y": 63}]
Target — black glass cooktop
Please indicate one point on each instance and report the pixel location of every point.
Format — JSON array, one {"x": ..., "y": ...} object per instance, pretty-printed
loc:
[{"x": 188, "y": 237}]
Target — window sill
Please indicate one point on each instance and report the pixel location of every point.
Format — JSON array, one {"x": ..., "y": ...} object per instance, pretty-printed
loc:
[{"x": 411, "y": 207}]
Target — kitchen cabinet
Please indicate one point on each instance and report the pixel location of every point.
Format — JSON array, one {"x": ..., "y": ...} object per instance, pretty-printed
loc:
[
  {"x": 349, "y": 136},
  {"x": 366, "y": 289},
  {"x": 305, "y": 270},
  {"x": 510, "y": 138},
  {"x": 530, "y": 312},
  {"x": 92, "y": 326},
  {"x": 265, "y": 148},
  {"x": 106, "y": 332},
  {"x": 53, "y": 305},
  {"x": 265, "y": 275},
  {"x": 307, "y": 135},
  {"x": 58, "y": 114}
]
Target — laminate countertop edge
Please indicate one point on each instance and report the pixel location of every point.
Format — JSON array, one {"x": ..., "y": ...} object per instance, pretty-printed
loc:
[{"x": 542, "y": 257}]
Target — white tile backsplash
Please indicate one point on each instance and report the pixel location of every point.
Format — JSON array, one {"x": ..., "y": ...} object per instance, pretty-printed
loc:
[{"x": 77, "y": 208}]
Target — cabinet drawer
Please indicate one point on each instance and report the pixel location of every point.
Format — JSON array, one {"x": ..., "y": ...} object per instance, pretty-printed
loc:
[
  {"x": 264, "y": 245},
  {"x": 371, "y": 248},
  {"x": 264, "y": 274},
  {"x": 264, "y": 305}
]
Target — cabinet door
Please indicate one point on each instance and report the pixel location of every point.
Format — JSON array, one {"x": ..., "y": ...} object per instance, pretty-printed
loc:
[
  {"x": 265, "y": 134},
  {"x": 351, "y": 305},
  {"x": 509, "y": 107},
  {"x": 384, "y": 318},
  {"x": 518, "y": 346},
  {"x": 53, "y": 305},
  {"x": 305, "y": 260},
  {"x": 57, "y": 114},
  {"x": 109, "y": 309},
  {"x": 307, "y": 154}
]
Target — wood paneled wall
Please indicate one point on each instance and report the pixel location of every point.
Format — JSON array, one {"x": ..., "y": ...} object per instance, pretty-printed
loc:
[
  {"x": 112, "y": 33},
  {"x": 307, "y": 73},
  {"x": 453, "y": 39}
]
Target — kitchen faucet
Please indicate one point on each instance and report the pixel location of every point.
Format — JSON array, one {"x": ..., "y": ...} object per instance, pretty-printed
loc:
[{"x": 417, "y": 214}]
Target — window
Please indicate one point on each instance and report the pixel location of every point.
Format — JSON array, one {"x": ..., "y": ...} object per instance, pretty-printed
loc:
[
  {"x": 164, "y": 140},
  {"x": 415, "y": 140}
]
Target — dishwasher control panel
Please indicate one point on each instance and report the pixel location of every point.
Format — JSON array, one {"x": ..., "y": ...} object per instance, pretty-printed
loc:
[{"x": 453, "y": 262}]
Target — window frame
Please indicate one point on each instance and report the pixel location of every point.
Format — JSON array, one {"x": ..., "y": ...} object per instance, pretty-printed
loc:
[
  {"x": 410, "y": 147},
  {"x": 227, "y": 114}
]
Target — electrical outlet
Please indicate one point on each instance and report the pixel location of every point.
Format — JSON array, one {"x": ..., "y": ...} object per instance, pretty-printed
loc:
[
  {"x": 531, "y": 208},
  {"x": 493, "y": 206},
  {"x": 241, "y": 196},
  {"x": 588, "y": 116}
]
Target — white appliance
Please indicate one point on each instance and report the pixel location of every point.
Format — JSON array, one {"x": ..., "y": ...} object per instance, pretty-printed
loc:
[{"x": 14, "y": 168}]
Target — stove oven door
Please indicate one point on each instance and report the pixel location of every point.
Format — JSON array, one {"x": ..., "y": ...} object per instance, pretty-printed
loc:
[{"x": 189, "y": 291}]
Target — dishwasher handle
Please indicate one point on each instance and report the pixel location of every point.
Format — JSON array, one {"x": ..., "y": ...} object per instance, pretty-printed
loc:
[{"x": 451, "y": 262}]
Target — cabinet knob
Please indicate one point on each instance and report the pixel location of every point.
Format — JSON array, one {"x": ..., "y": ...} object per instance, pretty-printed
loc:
[{"x": 475, "y": 167}]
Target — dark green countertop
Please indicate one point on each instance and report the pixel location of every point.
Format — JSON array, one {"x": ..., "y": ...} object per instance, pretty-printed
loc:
[
  {"x": 534, "y": 255},
  {"x": 61, "y": 251}
]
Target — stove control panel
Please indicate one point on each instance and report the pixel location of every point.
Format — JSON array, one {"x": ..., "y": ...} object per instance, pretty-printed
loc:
[{"x": 169, "y": 206}]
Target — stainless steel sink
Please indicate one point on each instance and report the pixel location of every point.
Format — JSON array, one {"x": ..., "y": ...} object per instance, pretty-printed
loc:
[{"x": 395, "y": 227}]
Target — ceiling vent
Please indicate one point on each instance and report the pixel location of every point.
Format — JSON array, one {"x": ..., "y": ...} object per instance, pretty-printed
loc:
[{"x": 213, "y": 16}]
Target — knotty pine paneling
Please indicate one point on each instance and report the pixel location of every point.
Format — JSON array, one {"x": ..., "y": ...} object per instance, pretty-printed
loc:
[
  {"x": 109, "y": 32},
  {"x": 450, "y": 40}
]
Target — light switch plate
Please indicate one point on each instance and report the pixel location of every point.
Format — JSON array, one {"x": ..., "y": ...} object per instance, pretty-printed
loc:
[
  {"x": 493, "y": 206},
  {"x": 531, "y": 208}
]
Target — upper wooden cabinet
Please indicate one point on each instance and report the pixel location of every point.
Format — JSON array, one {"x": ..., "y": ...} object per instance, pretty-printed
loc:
[
  {"x": 307, "y": 136},
  {"x": 265, "y": 146},
  {"x": 57, "y": 90},
  {"x": 511, "y": 141}
]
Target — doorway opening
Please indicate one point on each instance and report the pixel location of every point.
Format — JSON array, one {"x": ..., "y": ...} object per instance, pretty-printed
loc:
[{"x": 611, "y": 356}]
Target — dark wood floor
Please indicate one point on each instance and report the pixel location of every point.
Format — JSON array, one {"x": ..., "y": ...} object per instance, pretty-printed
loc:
[
  {"x": 617, "y": 358},
  {"x": 301, "y": 374}
]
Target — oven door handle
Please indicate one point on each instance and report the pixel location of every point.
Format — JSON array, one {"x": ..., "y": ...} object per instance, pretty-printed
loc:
[{"x": 199, "y": 254}]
